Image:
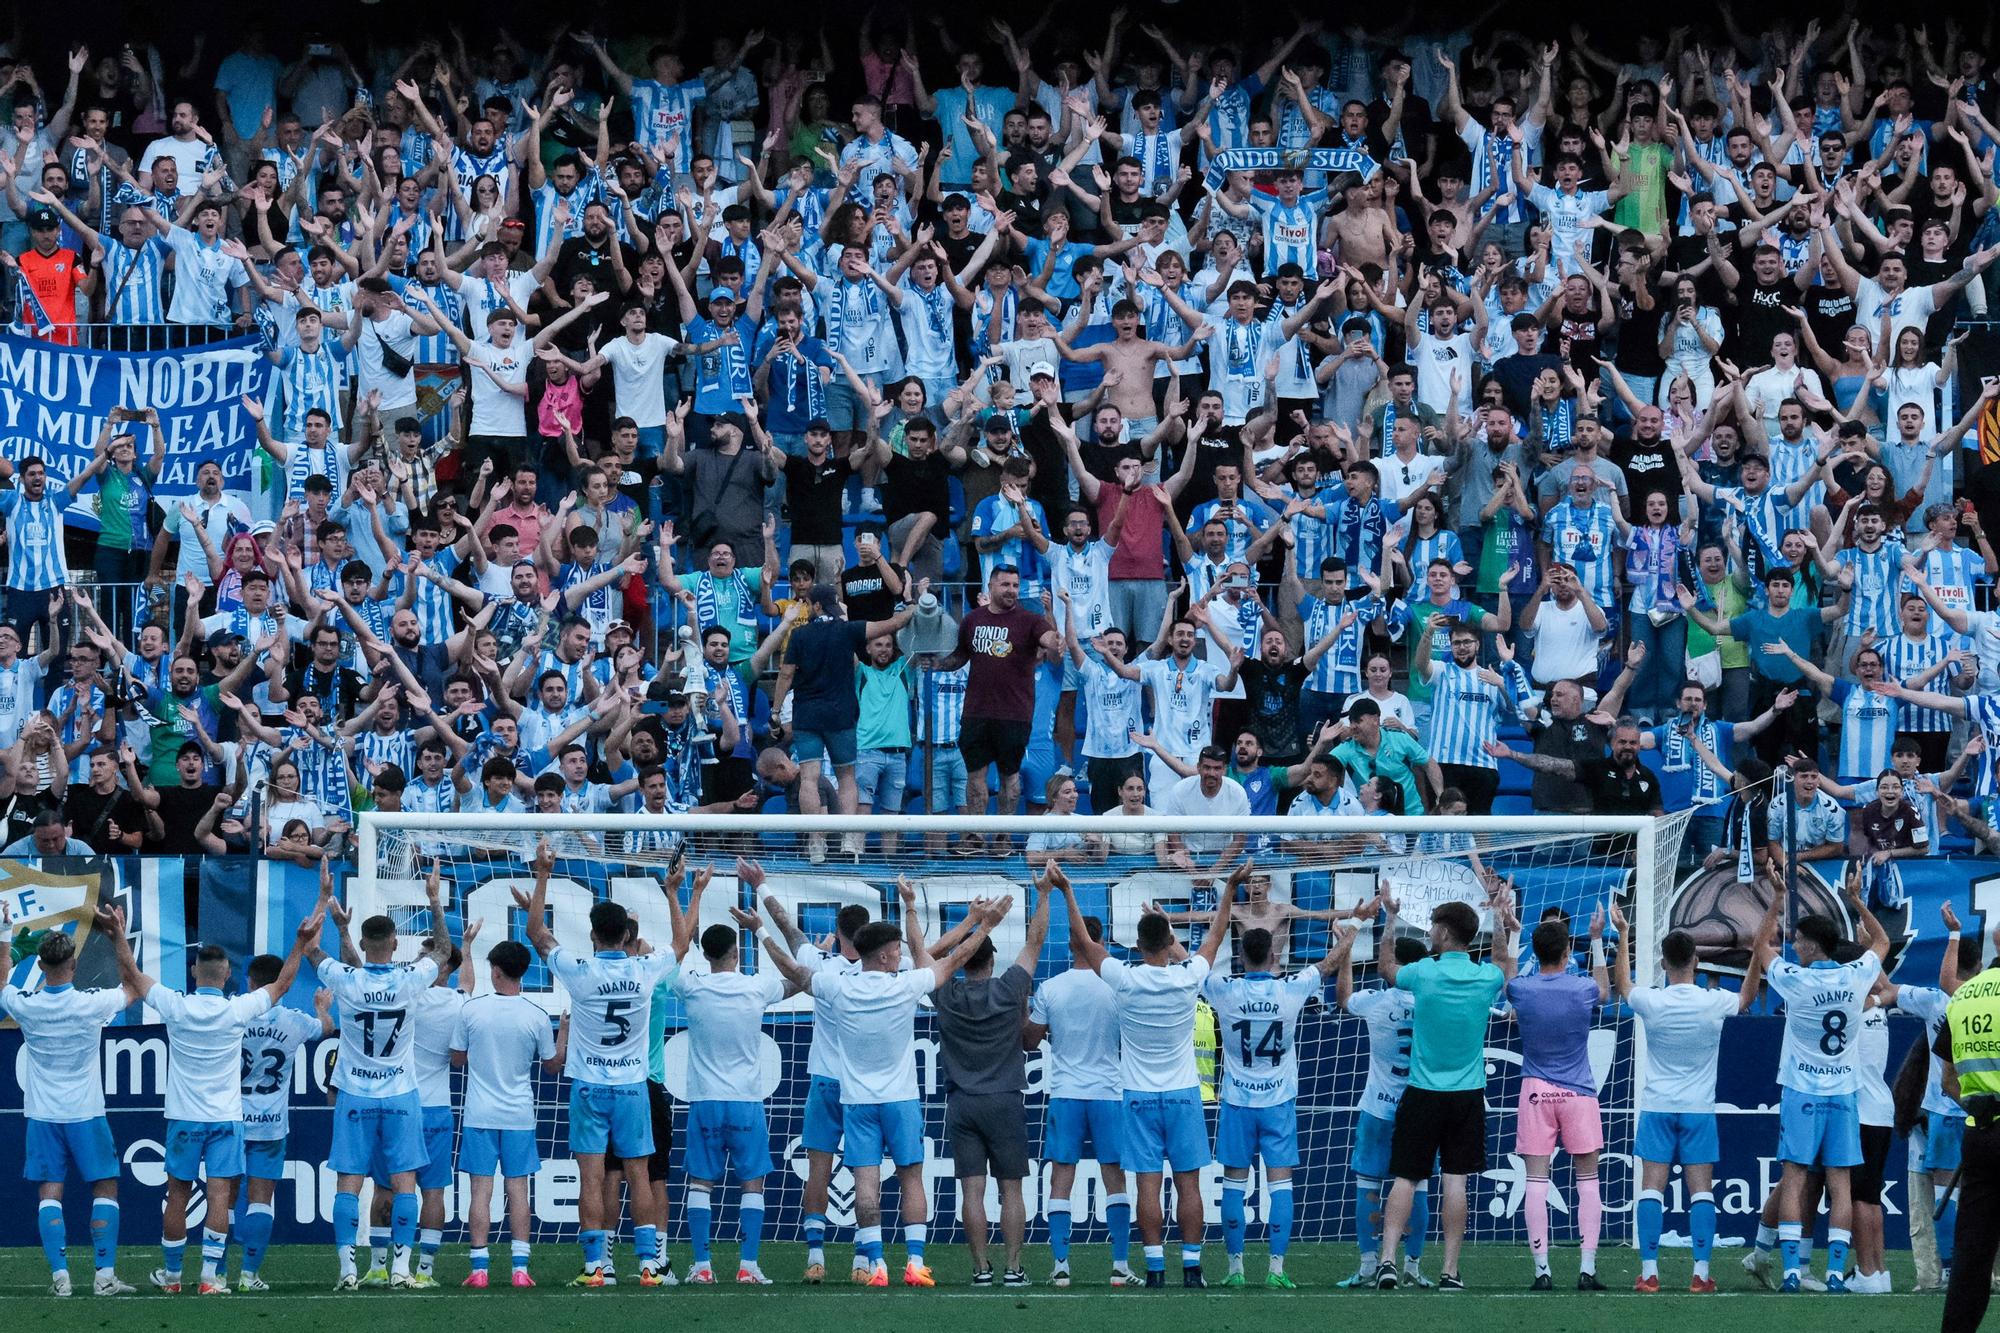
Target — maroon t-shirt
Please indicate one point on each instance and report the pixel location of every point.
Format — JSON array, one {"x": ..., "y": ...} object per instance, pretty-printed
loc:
[{"x": 1003, "y": 648}]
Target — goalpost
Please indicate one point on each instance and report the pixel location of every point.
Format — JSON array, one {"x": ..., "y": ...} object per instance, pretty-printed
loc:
[{"x": 1118, "y": 865}]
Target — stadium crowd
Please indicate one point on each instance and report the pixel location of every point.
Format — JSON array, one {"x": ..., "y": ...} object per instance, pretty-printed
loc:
[{"x": 1402, "y": 422}]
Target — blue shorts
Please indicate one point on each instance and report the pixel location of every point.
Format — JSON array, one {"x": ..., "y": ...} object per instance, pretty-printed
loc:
[
  {"x": 947, "y": 779},
  {"x": 1245, "y": 1133},
  {"x": 823, "y": 1115},
  {"x": 264, "y": 1159},
  {"x": 1165, "y": 1127},
  {"x": 56, "y": 1146},
  {"x": 1369, "y": 1158},
  {"x": 1944, "y": 1140},
  {"x": 377, "y": 1136},
  {"x": 845, "y": 409},
  {"x": 193, "y": 1144},
  {"x": 1818, "y": 1130},
  {"x": 512, "y": 1152},
  {"x": 723, "y": 1135},
  {"x": 1687, "y": 1137},
  {"x": 610, "y": 1118},
  {"x": 1072, "y": 1119},
  {"x": 833, "y": 747},
  {"x": 435, "y": 1173},
  {"x": 884, "y": 1129}
]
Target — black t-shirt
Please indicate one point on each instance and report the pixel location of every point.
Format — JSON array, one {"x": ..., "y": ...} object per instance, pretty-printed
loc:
[
  {"x": 866, "y": 593},
  {"x": 821, "y": 654},
  {"x": 916, "y": 486},
  {"x": 338, "y": 690},
  {"x": 579, "y": 256},
  {"x": 1648, "y": 465},
  {"x": 1615, "y": 791},
  {"x": 1830, "y": 312},
  {"x": 181, "y": 808},
  {"x": 1578, "y": 740},
  {"x": 1639, "y": 333},
  {"x": 1516, "y": 373},
  {"x": 91, "y": 817},
  {"x": 1272, "y": 693},
  {"x": 813, "y": 492},
  {"x": 634, "y": 480},
  {"x": 1760, "y": 314}
]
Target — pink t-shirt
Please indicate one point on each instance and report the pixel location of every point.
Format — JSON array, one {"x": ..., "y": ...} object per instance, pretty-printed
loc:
[
  {"x": 888, "y": 80},
  {"x": 560, "y": 403}
]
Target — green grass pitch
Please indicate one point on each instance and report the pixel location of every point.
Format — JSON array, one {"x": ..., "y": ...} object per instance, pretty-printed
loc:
[{"x": 301, "y": 1298}]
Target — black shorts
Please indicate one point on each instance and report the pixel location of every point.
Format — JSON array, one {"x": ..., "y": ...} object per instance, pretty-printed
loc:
[
  {"x": 1865, "y": 1182},
  {"x": 988, "y": 1135},
  {"x": 1447, "y": 1129},
  {"x": 662, "y": 1108},
  {"x": 987, "y": 740}
]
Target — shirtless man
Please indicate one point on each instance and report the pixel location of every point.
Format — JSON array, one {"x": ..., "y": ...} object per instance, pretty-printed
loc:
[
  {"x": 1260, "y": 911},
  {"x": 1129, "y": 360},
  {"x": 1367, "y": 231}
]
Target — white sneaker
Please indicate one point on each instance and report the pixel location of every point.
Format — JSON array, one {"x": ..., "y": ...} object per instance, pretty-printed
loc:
[
  {"x": 1123, "y": 1276},
  {"x": 1757, "y": 1263},
  {"x": 251, "y": 1282},
  {"x": 853, "y": 844},
  {"x": 1059, "y": 1276},
  {"x": 1810, "y": 1283},
  {"x": 59, "y": 1283},
  {"x": 816, "y": 848},
  {"x": 871, "y": 503},
  {"x": 106, "y": 1284}
]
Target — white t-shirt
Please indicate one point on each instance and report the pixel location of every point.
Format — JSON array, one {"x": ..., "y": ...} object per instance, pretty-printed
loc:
[
  {"x": 1683, "y": 1040},
  {"x": 1874, "y": 1104},
  {"x": 1822, "y": 1020},
  {"x": 482, "y": 296},
  {"x": 1400, "y": 478},
  {"x": 1910, "y": 308},
  {"x": 377, "y": 1018},
  {"x": 1435, "y": 359},
  {"x": 1156, "y": 1021},
  {"x": 1928, "y": 1003},
  {"x": 1081, "y": 1015},
  {"x": 1387, "y": 1014},
  {"x": 611, "y": 1007},
  {"x": 393, "y": 331},
  {"x": 59, "y": 1032},
  {"x": 1186, "y": 798},
  {"x": 19, "y": 685},
  {"x": 725, "y": 1026},
  {"x": 876, "y": 1012},
  {"x": 205, "y": 1050},
  {"x": 638, "y": 382},
  {"x": 270, "y": 1045},
  {"x": 1565, "y": 643},
  {"x": 437, "y": 1018},
  {"x": 823, "y": 1056},
  {"x": 503, "y": 1036},
  {"x": 494, "y": 410},
  {"x": 1258, "y": 1018}
]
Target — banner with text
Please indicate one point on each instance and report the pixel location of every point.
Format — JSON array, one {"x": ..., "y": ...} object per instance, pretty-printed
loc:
[{"x": 54, "y": 399}]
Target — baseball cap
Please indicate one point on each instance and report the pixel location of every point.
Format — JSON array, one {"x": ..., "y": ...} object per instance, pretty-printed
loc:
[
  {"x": 616, "y": 625},
  {"x": 818, "y": 423},
  {"x": 222, "y": 637},
  {"x": 723, "y": 294},
  {"x": 43, "y": 218},
  {"x": 1041, "y": 368}
]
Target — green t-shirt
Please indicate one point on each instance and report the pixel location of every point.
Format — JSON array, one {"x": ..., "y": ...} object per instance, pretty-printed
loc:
[
  {"x": 1396, "y": 759},
  {"x": 117, "y": 493},
  {"x": 885, "y": 705},
  {"x": 1730, "y": 603},
  {"x": 171, "y": 730},
  {"x": 1448, "y": 1025}
]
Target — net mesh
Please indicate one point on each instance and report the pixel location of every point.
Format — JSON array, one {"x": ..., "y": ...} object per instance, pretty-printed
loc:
[{"x": 1307, "y": 875}]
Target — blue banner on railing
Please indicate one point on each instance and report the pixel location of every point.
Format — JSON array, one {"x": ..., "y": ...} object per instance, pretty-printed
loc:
[
  {"x": 54, "y": 399},
  {"x": 252, "y": 907}
]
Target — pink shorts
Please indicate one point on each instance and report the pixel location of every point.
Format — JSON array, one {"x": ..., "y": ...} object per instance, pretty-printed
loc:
[{"x": 1549, "y": 1115}]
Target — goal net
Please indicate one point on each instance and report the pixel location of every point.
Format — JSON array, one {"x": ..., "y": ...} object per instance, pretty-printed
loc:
[{"x": 1307, "y": 870}]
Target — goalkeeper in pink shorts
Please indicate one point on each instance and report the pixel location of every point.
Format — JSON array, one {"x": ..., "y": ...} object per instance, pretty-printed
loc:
[{"x": 1555, "y": 1009}]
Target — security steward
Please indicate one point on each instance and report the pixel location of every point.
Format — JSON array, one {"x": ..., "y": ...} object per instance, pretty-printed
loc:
[{"x": 1969, "y": 1044}]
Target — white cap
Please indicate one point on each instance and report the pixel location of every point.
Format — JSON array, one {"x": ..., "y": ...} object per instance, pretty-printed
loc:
[{"x": 1042, "y": 368}]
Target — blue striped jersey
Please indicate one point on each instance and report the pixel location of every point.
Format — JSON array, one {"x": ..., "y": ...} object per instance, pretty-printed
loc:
[
  {"x": 1338, "y": 670},
  {"x": 35, "y": 559},
  {"x": 133, "y": 282},
  {"x": 1954, "y": 573},
  {"x": 1904, "y": 657},
  {"x": 548, "y": 232},
  {"x": 1867, "y": 731},
  {"x": 308, "y": 380},
  {"x": 1291, "y": 232},
  {"x": 660, "y": 111},
  {"x": 1466, "y": 711},
  {"x": 1878, "y": 582},
  {"x": 1984, "y": 712},
  {"x": 1586, "y": 538},
  {"x": 941, "y": 705},
  {"x": 437, "y": 349},
  {"x": 1111, "y": 702},
  {"x": 374, "y": 748}
]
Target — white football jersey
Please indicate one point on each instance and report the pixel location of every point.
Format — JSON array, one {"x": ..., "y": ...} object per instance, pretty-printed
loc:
[
  {"x": 437, "y": 1018},
  {"x": 503, "y": 1036},
  {"x": 1387, "y": 1014},
  {"x": 205, "y": 1050},
  {"x": 1683, "y": 1041},
  {"x": 877, "y": 1014},
  {"x": 1156, "y": 1022},
  {"x": 725, "y": 1027},
  {"x": 270, "y": 1046},
  {"x": 60, "y": 1026},
  {"x": 1822, "y": 1019},
  {"x": 377, "y": 1023},
  {"x": 1081, "y": 1015},
  {"x": 1258, "y": 1018},
  {"x": 611, "y": 1011}
]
